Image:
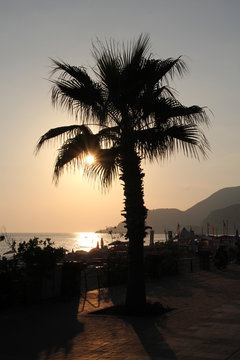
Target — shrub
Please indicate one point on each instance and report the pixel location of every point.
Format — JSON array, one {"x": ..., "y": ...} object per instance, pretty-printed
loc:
[
  {"x": 20, "y": 277},
  {"x": 39, "y": 255}
]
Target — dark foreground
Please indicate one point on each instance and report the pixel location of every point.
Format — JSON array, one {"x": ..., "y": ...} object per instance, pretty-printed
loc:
[{"x": 205, "y": 323}]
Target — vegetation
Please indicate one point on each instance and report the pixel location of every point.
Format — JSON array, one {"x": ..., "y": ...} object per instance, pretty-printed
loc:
[
  {"x": 21, "y": 275},
  {"x": 126, "y": 113},
  {"x": 39, "y": 255}
]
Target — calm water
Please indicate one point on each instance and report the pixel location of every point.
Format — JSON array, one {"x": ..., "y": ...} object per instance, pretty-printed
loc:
[{"x": 71, "y": 241}]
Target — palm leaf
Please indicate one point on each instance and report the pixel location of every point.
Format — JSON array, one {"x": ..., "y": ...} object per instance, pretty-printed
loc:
[
  {"x": 170, "y": 108},
  {"x": 107, "y": 66},
  {"x": 68, "y": 72},
  {"x": 160, "y": 143},
  {"x": 75, "y": 91},
  {"x": 171, "y": 67},
  {"x": 135, "y": 51},
  {"x": 62, "y": 133},
  {"x": 105, "y": 167},
  {"x": 109, "y": 137},
  {"x": 73, "y": 152},
  {"x": 130, "y": 101}
]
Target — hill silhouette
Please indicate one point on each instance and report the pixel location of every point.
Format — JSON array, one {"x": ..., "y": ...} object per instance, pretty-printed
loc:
[
  {"x": 225, "y": 220},
  {"x": 222, "y": 206}
]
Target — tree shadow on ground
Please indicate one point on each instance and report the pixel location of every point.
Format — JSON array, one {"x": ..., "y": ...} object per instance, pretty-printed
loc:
[
  {"x": 145, "y": 326},
  {"x": 39, "y": 330},
  {"x": 147, "y": 330},
  {"x": 204, "y": 289},
  {"x": 150, "y": 337}
]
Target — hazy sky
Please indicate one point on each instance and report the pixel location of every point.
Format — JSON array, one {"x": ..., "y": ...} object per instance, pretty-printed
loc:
[{"x": 206, "y": 32}]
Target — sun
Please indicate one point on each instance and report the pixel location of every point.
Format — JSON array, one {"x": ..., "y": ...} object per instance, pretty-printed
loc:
[{"x": 90, "y": 159}]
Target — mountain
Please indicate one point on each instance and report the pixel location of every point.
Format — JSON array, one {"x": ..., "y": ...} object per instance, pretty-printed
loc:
[
  {"x": 218, "y": 200},
  {"x": 165, "y": 219},
  {"x": 223, "y": 205},
  {"x": 224, "y": 220}
]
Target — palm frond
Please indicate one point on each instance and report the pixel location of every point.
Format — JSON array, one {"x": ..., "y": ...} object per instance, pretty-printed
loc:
[
  {"x": 68, "y": 72},
  {"x": 62, "y": 133},
  {"x": 73, "y": 152},
  {"x": 190, "y": 139},
  {"x": 147, "y": 104},
  {"x": 149, "y": 74},
  {"x": 78, "y": 99},
  {"x": 171, "y": 67},
  {"x": 170, "y": 108},
  {"x": 165, "y": 92},
  {"x": 118, "y": 70},
  {"x": 109, "y": 137},
  {"x": 75, "y": 91},
  {"x": 135, "y": 51},
  {"x": 107, "y": 64},
  {"x": 105, "y": 167},
  {"x": 160, "y": 143}
]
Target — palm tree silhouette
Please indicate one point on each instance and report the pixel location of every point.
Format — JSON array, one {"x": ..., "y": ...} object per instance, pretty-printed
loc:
[{"x": 126, "y": 112}]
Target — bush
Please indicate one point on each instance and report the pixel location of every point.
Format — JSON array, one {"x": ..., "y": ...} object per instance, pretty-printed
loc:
[
  {"x": 38, "y": 255},
  {"x": 21, "y": 277}
]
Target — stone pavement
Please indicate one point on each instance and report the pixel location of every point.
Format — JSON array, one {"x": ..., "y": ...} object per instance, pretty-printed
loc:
[{"x": 204, "y": 324}]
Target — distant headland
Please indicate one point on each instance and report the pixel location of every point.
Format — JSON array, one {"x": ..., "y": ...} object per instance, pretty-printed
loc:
[{"x": 220, "y": 210}]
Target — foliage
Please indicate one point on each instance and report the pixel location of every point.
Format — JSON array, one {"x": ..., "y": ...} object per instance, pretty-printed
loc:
[
  {"x": 126, "y": 113},
  {"x": 39, "y": 254},
  {"x": 31, "y": 257},
  {"x": 130, "y": 103},
  {"x": 21, "y": 276}
]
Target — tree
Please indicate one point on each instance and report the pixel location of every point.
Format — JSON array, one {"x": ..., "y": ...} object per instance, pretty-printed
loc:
[{"x": 126, "y": 113}]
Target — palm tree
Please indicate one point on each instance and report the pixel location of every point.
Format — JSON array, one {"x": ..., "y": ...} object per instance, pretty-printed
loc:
[{"x": 126, "y": 113}]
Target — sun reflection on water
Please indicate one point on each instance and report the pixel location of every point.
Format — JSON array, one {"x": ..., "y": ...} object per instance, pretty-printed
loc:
[{"x": 87, "y": 240}]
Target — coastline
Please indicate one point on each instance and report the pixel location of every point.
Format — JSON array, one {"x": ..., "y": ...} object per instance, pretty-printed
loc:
[{"x": 71, "y": 241}]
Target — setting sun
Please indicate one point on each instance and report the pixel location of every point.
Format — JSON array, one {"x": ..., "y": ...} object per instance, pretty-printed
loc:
[{"x": 90, "y": 159}]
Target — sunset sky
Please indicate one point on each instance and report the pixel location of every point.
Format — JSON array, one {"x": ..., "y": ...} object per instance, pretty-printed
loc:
[{"x": 205, "y": 32}]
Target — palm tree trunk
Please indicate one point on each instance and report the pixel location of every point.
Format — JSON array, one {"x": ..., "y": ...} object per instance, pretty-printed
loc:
[{"x": 135, "y": 214}]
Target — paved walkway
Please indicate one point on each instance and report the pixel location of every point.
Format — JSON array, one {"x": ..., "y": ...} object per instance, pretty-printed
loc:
[{"x": 205, "y": 324}]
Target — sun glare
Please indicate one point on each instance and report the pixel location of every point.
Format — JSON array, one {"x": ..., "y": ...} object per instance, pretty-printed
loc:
[
  {"x": 87, "y": 240},
  {"x": 90, "y": 159}
]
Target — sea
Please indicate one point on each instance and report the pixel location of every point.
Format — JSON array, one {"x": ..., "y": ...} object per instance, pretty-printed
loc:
[{"x": 71, "y": 241}]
